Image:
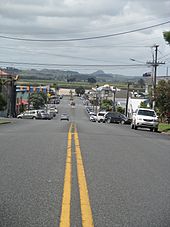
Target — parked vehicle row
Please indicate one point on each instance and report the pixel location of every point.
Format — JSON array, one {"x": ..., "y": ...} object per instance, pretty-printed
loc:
[
  {"x": 48, "y": 112},
  {"x": 142, "y": 118},
  {"x": 107, "y": 117}
]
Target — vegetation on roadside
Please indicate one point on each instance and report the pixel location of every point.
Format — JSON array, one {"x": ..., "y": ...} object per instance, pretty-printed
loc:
[
  {"x": 163, "y": 127},
  {"x": 2, "y": 121},
  {"x": 163, "y": 99},
  {"x": 107, "y": 105},
  {"x": 38, "y": 100},
  {"x": 3, "y": 102},
  {"x": 80, "y": 90}
]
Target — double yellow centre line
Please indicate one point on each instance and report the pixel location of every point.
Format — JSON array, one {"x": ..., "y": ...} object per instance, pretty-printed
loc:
[{"x": 86, "y": 213}]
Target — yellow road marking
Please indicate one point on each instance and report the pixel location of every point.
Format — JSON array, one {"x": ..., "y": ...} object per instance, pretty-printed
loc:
[
  {"x": 87, "y": 219},
  {"x": 66, "y": 201}
]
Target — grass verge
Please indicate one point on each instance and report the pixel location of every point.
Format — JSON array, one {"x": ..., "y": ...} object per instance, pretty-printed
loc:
[
  {"x": 2, "y": 121},
  {"x": 164, "y": 127}
]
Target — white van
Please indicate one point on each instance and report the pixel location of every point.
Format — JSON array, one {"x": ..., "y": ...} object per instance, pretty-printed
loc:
[{"x": 100, "y": 116}]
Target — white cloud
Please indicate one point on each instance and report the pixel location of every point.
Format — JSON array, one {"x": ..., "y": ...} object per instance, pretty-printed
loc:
[{"x": 62, "y": 19}]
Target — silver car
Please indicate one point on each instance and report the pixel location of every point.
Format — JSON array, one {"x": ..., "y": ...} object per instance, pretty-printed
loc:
[
  {"x": 29, "y": 114},
  {"x": 64, "y": 116}
]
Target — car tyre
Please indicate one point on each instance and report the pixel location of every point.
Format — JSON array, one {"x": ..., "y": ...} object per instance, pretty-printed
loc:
[
  {"x": 108, "y": 121},
  {"x": 122, "y": 122},
  {"x": 132, "y": 126},
  {"x": 135, "y": 127}
]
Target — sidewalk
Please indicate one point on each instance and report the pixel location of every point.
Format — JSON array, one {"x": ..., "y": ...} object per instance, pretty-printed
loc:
[{"x": 4, "y": 121}]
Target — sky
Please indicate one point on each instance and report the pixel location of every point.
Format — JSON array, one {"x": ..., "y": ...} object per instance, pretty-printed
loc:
[{"x": 117, "y": 37}]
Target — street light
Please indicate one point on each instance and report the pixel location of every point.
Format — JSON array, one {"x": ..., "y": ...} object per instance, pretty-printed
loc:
[{"x": 132, "y": 59}]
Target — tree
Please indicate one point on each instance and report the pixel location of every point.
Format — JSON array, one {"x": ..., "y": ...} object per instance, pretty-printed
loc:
[
  {"x": 0, "y": 85},
  {"x": 163, "y": 98},
  {"x": 143, "y": 105},
  {"x": 37, "y": 99},
  {"x": 56, "y": 86},
  {"x": 80, "y": 90},
  {"x": 71, "y": 79},
  {"x": 141, "y": 83},
  {"x": 3, "y": 102},
  {"x": 120, "y": 109},
  {"x": 44, "y": 95},
  {"x": 92, "y": 80},
  {"x": 167, "y": 36},
  {"x": 106, "y": 105}
]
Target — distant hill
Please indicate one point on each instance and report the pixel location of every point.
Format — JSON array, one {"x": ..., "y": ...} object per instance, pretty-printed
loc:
[
  {"x": 61, "y": 75},
  {"x": 109, "y": 77}
]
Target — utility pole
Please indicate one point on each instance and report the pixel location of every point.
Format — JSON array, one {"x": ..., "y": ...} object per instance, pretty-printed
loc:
[
  {"x": 127, "y": 99},
  {"x": 29, "y": 96},
  {"x": 155, "y": 63},
  {"x": 96, "y": 101},
  {"x": 114, "y": 99}
]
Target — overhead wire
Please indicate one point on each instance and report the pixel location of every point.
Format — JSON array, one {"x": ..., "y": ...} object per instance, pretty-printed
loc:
[
  {"x": 82, "y": 65},
  {"x": 84, "y": 38}
]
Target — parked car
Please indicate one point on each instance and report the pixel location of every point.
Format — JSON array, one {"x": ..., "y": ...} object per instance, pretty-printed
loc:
[
  {"x": 145, "y": 118},
  {"x": 93, "y": 117},
  {"x": 92, "y": 113},
  {"x": 116, "y": 117},
  {"x": 34, "y": 114},
  {"x": 89, "y": 109},
  {"x": 29, "y": 114},
  {"x": 43, "y": 115},
  {"x": 100, "y": 116},
  {"x": 53, "y": 111},
  {"x": 57, "y": 101},
  {"x": 64, "y": 116}
]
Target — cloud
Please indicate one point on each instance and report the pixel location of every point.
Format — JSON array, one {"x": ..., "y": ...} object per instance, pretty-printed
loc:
[{"x": 57, "y": 19}]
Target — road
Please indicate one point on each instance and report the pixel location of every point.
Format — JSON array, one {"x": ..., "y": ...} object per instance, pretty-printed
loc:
[{"x": 82, "y": 173}]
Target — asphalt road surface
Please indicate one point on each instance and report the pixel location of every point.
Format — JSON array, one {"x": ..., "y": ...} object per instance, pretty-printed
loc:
[{"x": 82, "y": 173}]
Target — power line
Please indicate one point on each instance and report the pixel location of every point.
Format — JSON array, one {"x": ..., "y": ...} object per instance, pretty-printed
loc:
[
  {"x": 52, "y": 54},
  {"x": 164, "y": 56},
  {"x": 85, "y": 46},
  {"x": 79, "y": 65},
  {"x": 85, "y": 38}
]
